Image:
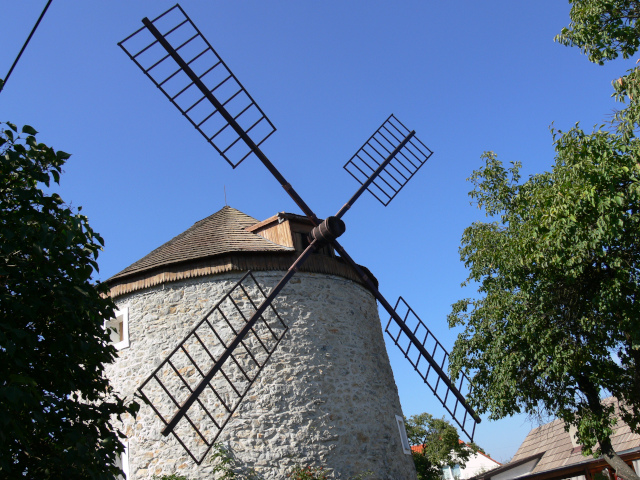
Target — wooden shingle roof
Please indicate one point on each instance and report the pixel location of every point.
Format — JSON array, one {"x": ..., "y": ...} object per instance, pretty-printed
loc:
[
  {"x": 230, "y": 241},
  {"x": 220, "y": 233},
  {"x": 556, "y": 448}
]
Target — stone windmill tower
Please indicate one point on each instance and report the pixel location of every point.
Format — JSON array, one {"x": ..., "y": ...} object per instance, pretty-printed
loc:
[{"x": 326, "y": 396}]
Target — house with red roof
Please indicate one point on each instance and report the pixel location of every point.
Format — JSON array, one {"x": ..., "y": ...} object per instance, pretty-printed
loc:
[{"x": 477, "y": 464}]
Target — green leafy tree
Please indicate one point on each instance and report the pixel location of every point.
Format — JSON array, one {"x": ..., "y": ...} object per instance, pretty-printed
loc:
[
  {"x": 307, "y": 473},
  {"x": 56, "y": 404},
  {"x": 437, "y": 445},
  {"x": 558, "y": 270},
  {"x": 603, "y": 29},
  {"x": 227, "y": 466},
  {"x": 557, "y": 325}
]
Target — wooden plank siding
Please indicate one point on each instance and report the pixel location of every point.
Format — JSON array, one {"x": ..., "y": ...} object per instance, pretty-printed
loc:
[
  {"x": 288, "y": 230},
  {"x": 278, "y": 233}
]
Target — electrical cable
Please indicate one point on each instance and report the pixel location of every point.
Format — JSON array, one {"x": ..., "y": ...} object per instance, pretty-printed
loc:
[{"x": 4, "y": 82}]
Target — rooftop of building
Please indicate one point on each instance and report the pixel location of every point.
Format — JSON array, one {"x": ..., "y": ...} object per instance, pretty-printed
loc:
[{"x": 230, "y": 240}]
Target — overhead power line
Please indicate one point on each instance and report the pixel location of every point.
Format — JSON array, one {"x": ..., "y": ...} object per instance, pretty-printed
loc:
[{"x": 4, "y": 82}]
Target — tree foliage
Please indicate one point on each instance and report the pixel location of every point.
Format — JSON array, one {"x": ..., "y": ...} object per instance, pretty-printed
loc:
[
  {"x": 603, "y": 29},
  {"x": 438, "y": 445},
  {"x": 557, "y": 325},
  {"x": 55, "y": 402},
  {"x": 559, "y": 273}
]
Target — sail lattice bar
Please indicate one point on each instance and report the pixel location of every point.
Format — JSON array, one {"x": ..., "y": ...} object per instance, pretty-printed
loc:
[
  {"x": 176, "y": 381},
  {"x": 395, "y": 175},
  {"x": 416, "y": 350},
  {"x": 179, "y": 60}
]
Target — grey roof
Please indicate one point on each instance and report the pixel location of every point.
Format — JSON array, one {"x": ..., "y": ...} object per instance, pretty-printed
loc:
[
  {"x": 218, "y": 234},
  {"x": 553, "y": 443}
]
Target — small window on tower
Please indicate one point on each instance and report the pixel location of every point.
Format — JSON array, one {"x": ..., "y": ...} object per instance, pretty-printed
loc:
[
  {"x": 406, "y": 448},
  {"x": 119, "y": 328}
]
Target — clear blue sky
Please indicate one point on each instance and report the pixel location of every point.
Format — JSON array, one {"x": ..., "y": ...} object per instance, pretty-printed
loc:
[{"x": 467, "y": 76}]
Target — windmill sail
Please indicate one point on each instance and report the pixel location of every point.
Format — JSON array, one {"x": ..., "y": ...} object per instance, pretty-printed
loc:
[
  {"x": 417, "y": 349},
  {"x": 173, "y": 53},
  {"x": 179, "y": 60},
  {"x": 384, "y": 178},
  {"x": 182, "y": 378},
  {"x": 385, "y": 184},
  {"x": 243, "y": 332},
  {"x": 440, "y": 384}
]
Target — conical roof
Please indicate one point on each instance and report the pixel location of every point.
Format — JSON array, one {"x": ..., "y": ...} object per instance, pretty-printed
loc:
[
  {"x": 229, "y": 241},
  {"x": 221, "y": 233}
]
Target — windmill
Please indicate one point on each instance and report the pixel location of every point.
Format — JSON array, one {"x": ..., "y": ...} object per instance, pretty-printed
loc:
[{"x": 196, "y": 388}]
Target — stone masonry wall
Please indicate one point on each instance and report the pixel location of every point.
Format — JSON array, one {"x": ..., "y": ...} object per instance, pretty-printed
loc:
[{"x": 326, "y": 397}]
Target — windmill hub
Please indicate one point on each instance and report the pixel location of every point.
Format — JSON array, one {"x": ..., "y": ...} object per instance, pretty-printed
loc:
[{"x": 329, "y": 230}]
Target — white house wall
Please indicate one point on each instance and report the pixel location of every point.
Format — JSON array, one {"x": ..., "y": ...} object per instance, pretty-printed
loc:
[{"x": 477, "y": 464}]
